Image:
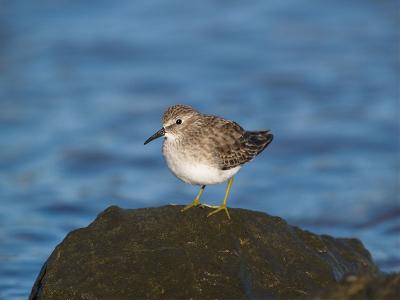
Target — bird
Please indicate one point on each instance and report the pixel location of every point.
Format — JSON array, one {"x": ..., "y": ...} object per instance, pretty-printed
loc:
[{"x": 202, "y": 149}]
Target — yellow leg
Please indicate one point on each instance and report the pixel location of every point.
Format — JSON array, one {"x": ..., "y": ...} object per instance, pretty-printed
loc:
[
  {"x": 223, "y": 206},
  {"x": 196, "y": 201}
]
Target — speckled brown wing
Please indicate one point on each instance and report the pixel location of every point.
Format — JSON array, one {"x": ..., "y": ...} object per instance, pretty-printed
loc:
[{"x": 234, "y": 146}]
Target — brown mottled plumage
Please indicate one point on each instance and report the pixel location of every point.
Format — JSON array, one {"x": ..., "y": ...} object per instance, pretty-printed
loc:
[
  {"x": 203, "y": 149},
  {"x": 222, "y": 142}
]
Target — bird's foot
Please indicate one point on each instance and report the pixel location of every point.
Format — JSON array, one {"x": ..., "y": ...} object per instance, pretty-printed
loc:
[
  {"x": 218, "y": 209},
  {"x": 195, "y": 203}
]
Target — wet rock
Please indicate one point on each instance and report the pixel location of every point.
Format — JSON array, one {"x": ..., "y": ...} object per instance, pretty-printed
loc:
[{"x": 161, "y": 253}]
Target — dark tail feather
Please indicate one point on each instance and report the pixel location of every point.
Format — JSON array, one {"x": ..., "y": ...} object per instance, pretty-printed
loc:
[{"x": 258, "y": 139}]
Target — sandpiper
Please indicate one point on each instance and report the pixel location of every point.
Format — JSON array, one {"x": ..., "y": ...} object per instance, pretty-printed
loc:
[{"x": 204, "y": 149}]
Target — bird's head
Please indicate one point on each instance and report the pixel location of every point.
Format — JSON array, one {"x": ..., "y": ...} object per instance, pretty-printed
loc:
[{"x": 175, "y": 120}]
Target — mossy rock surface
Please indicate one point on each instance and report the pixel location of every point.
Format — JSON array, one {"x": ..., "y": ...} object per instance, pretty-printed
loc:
[
  {"x": 383, "y": 287},
  {"x": 161, "y": 253}
]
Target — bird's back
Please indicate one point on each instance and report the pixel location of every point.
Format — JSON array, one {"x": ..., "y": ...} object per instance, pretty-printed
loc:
[
  {"x": 249, "y": 146},
  {"x": 226, "y": 143}
]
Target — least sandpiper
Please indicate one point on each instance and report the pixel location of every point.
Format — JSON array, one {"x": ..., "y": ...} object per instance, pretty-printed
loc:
[{"x": 204, "y": 149}]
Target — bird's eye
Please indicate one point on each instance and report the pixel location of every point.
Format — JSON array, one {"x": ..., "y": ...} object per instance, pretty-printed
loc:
[{"x": 179, "y": 121}]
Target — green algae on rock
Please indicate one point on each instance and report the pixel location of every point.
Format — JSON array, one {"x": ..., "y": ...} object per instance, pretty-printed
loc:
[{"x": 161, "y": 253}]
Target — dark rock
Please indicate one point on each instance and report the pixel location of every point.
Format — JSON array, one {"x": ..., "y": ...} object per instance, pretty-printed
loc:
[
  {"x": 161, "y": 253},
  {"x": 363, "y": 288}
]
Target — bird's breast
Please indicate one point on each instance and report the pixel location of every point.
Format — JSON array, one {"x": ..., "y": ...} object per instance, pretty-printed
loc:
[{"x": 193, "y": 166}]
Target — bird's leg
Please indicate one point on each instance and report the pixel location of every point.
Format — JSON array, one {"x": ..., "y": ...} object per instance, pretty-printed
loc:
[
  {"x": 196, "y": 201},
  {"x": 223, "y": 206}
]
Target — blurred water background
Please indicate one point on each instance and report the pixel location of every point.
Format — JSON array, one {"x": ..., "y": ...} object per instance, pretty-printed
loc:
[{"x": 84, "y": 83}]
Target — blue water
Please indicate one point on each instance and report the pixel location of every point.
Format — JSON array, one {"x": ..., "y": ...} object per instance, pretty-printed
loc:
[{"x": 84, "y": 83}]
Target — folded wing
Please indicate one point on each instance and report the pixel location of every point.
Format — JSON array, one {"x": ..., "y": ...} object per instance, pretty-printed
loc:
[{"x": 239, "y": 146}]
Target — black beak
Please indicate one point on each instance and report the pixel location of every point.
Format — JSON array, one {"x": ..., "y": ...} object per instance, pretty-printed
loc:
[{"x": 158, "y": 134}]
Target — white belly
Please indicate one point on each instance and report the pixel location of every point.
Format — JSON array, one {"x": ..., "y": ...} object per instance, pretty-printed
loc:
[{"x": 191, "y": 171}]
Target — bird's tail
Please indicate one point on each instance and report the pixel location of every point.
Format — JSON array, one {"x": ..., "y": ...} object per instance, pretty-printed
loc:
[{"x": 258, "y": 140}]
